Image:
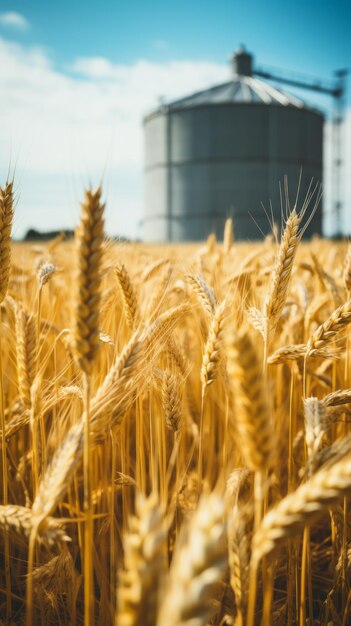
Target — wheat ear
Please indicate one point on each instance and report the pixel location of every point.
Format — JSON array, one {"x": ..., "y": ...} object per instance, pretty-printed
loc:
[
  {"x": 212, "y": 352},
  {"x": 151, "y": 269},
  {"x": 253, "y": 423},
  {"x": 6, "y": 222},
  {"x": 55, "y": 481},
  {"x": 20, "y": 416},
  {"x": 228, "y": 235},
  {"x": 237, "y": 497},
  {"x": 301, "y": 507},
  {"x": 197, "y": 568},
  {"x": 239, "y": 557},
  {"x": 177, "y": 356},
  {"x": 45, "y": 272},
  {"x": 26, "y": 350},
  {"x": 327, "y": 331},
  {"x": 6, "y": 219},
  {"x": 145, "y": 548},
  {"x": 55, "y": 584},
  {"x": 238, "y": 487},
  {"x": 159, "y": 293},
  {"x": 203, "y": 292},
  {"x": 294, "y": 352},
  {"x": 209, "y": 369},
  {"x": 316, "y": 425},
  {"x": 337, "y": 398},
  {"x": 143, "y": 346},
  {"x": 331, "y": 454},
  {"x": 211, "y": 243},
  {"x": 282, "y": 270},
  {"x": 55, "y": 574},
  {"x": 252, "y": 415},
  {"x": 115, "y": 392},
  {"x": 159, "y": 330},
  {"x": 18, "y": 522},
  {"x": 90, "y": 236},
  {"x": 347, "y": 269},
  {"x": 172, "y": 401},
  {"x": 129, "y": 298}
]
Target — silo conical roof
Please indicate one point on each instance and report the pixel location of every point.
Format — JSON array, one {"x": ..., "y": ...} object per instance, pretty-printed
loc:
[
  {"x": 240, "y": 90},
  {"x": 244, "y": 88}
]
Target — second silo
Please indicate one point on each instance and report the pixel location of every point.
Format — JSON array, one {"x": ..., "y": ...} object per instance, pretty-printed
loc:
[{"x": 222, "y": 152}]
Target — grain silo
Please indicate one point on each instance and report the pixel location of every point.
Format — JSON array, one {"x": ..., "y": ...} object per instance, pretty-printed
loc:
[{"x": 222, "y": 152}]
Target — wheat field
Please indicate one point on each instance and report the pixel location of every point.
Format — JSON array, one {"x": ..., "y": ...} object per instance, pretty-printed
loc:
[{"x": 175, "y": 430}]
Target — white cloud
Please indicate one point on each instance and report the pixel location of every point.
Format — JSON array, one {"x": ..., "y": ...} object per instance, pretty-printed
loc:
[
  {"x": 93, "y": 67},
  {"x": 14, "y": 20},
  {"x": 62, "y": 129}
]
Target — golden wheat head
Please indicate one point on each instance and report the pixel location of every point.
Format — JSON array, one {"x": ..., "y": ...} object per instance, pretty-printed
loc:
[
  {"x": 6, "y": 219},
  {"x": 90, "y": 238}
]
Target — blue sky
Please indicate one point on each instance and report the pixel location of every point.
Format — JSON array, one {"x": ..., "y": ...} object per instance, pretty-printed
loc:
[
  {"x": 78, "y": 76},
  {"x": 313, "y": 35}
]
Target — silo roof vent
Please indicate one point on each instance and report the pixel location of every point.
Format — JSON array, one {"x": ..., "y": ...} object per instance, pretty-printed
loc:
[{"x": 242, "y": 62}]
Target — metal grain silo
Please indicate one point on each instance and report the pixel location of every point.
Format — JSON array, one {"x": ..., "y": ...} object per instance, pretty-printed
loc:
[{"x": 222, "y": 152}]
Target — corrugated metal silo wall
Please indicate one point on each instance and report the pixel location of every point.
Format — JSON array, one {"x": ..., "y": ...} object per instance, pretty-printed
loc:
[{"x": 205, "y": 163}]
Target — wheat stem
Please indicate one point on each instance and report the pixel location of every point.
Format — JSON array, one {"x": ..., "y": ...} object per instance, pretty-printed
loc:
[
  {"x": 29, "y": 587},
  {"x": 5, "y": 481},
  {"x": 201, "y": 438},
  {"x": 88, "y": 527}
]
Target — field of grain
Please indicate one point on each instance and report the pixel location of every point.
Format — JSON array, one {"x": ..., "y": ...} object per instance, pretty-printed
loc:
[{"x": 175, "y": 434}]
